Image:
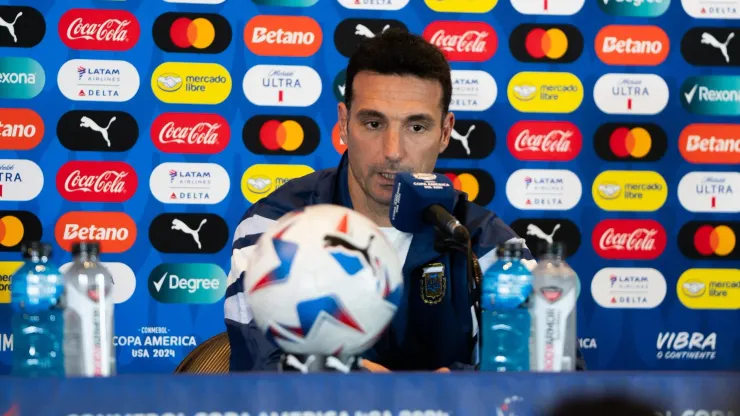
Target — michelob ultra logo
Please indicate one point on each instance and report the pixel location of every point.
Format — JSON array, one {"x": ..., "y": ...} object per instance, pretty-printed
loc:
[
  {"x": 191, "y": 83},
  {"x": 190, "y": 283},
  {"x": 627, "y": 190},
  {"x": 715, "y": 95},
  {"x": 639, "y": 94},
  {"x": 709, "y": 289},
  {"x": 548, "y": 7},
  {"x": 457, "y": 6},
  {"x": 260, "y": 180},
  {"x": 21, "y": 78},
  {"x": 545, "y": 92},
  {"x": 634, "y": 8}
]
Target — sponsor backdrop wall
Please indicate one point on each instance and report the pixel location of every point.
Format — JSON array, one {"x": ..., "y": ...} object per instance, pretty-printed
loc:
[{"x": 151, "y": 126}]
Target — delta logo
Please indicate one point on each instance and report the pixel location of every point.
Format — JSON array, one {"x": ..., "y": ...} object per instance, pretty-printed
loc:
[
  {"x": 710, "y": 143},
  {"x": 17, "y": 227},
  {"x": 628, "y": 190},
  {"x": 545, "y": 92},
  {"x": 628, "y": 288},
  {"x": 285, "y": 3},
  {"x": 711, "y": 240},
  {"x": 207, "y": 33},
  {"x": 99, "y": 29},
  {"x": 709, "y": 289},
  {"x": 281, "y": 135},
  {"x": 714, "y": 95},
  {"x": 191, "y": 83},
  {"x": 282, "y": 85},
  {"x": 630, "y": 142},
  {"x": 98, "y": 80},
  {"x": 472, "y": 90},
  {"x": 548, "y": 7},
  {"x": 262, "y": 179},
  {"x": 267, "y": 35},
  {"x": 634, "y": 8},
  {"x": 463, "y": 41},
  {"x": 714, "y": 192},
  {"x": 189, "y": 183},
  {"x": 88, "y": 181},
  {"x": 187, "y": 283},
  {"x": 629, "y": 239},
  {"x": 21, "y": 78},
  {"x": 637, "y": 94},
  {"x": 190, "y": 133},
  {"x": 477, "y": 183},
  {"x": 632, "y": 45},
  {"x": 374, "y": 4},
  {"x": 709, "y": 9},
  {"x": 544, "y": 189},
  {"x": 114, "y": 231},
  {"x": 553, "y": 141},
  {"x": 20, "y": 129},
  {"x": 546, "y": 43},
  {"x": 457, "y": 6}
]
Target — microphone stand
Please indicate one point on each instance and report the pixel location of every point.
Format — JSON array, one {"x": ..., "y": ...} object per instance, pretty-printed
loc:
[{"x": 474, "y": 273}]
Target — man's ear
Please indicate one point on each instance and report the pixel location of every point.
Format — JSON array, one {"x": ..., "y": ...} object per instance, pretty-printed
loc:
[
  {"x": 448, "y": 123},
  {"x": 343, "y": 117}
]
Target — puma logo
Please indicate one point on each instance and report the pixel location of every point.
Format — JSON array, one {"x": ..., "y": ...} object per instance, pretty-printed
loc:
[
  {"x": 463, "y": 139},
  {"x": 363, "y": 30},
  {"x": 11, "y": 26},
  {"x": 294, "y": 362},
  {"x": 341, "y": 89},
  {"x": 708, "y": 39},
  {"x": 335, "y": 241},
  {"x": 88, "y": 123},
  {"x": 337, "y": 364},
  {"x": 537, "y": 232},
  {"x": 181, "y": 226}
]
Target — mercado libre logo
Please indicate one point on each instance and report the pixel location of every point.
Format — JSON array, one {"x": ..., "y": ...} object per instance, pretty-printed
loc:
[
  {"x": 17, "y": 227},
  {"x": 634, "y": 8},
  {"x": 545, "y": 92},
  {"x": 457, "y": 6},
  {"x": 114, "y": 231},
  {"x": 260, "y": 180},
  {"x": 7, "y": 269},
  {"x": 715, "y": 95},
  {"x": 711, "y": 240},
  {"x": 191, "y": 83},
  {"x": 546, "y": 43},
  {"x": 644, "y": 142},
  {"x": 281, "y": 135},
  {"x": 189, "y": 283},
  {"x": 192, "y": 32},
  {"x": 477, "y": 183},
  {"x": 22, "y": 78},
  {"x": 628, "y": 190},
  {"x": 709, "y": 289}
]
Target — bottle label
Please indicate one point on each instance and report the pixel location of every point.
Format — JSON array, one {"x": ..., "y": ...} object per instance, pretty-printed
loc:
[
  {"x": 93, "y": 316},
  {"x": 551, "y": 308},
  {"x": 505, "y": 291}
]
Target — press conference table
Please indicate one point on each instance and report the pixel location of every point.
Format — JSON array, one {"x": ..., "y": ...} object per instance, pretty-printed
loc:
[{"x": 402, "y": 394}]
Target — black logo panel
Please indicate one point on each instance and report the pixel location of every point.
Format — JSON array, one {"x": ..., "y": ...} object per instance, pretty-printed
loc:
[
  {"x": 188, "y": 233},
  {"x": 100, "y": 131}
]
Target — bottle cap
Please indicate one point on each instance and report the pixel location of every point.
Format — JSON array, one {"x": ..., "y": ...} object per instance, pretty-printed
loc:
[
  {"x": 556, "y": 248},
  {"x": 86, "y": 247},
  {"x": 511, "y": 249},
  {"x": 30, "y": 248}
]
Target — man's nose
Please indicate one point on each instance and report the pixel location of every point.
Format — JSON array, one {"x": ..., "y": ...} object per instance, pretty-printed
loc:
[{"x": 392, "y": 149}]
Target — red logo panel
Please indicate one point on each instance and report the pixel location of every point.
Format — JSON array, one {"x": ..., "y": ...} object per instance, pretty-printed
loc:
[
  {"x": 463, "y": 41},
  {"x": 559, "y": 141},
  {"x": 97, "y": 181},
  {"x": 629, "y": 239},
  {"x": 99, "y": 30},
  {"x": 190, "y": 133}
]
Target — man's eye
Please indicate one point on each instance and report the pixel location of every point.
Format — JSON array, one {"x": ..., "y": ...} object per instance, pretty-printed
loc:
[
  {"x": 418, "y": 128},
  {"x": 373, "y": 124}
]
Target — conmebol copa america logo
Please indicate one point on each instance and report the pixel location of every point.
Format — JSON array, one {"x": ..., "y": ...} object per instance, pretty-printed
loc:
[
  {"x": 282, "y": 85},
  {"x": 710, "y": 192},
  {"x": 629, "y": 288},
  {"x": 98, "y": 80},
  {"x": 543, "y": 189},
  {"x": 189, "y": 183},
  {"x": 472, "y": 90},
  {"x": 639, "y": 94}
]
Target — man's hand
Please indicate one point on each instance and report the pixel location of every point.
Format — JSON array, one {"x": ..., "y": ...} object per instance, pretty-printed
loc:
[{"x": 377, "y": 368}]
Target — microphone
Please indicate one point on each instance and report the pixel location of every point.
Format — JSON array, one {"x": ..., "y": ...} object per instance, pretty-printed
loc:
[{"x": 420, "y": 199}]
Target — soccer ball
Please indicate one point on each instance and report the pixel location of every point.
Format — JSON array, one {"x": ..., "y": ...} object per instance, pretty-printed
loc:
[{"x": 323, "y": 280}]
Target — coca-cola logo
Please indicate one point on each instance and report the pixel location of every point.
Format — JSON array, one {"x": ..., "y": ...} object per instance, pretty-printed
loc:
[
  {"x": 97, "y": 29},
  {"x": 463, "y": 41},
  {"x": 544, "y": 140},
  {"x": 190, "y": 133},
  {"x": 97, "y": 181},
  {"x": 629, "y": 239}
]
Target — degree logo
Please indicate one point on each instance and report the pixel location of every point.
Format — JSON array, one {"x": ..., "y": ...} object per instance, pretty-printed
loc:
[
  {"x": 267, "y": 35},
  {"x": 114, "y": 231},
  {"x": 548, "y": 7},
  {"x": 191, "y": 83},
  {"x": 192, "y": 32},
  {"x": 645, "y": 142},
  {"x": 634, "y": 8},
  {"x": 710, "y": 143},
  {"x": 17, "y": 227},
  {"x": 28, "y": 27},
  {"x": 546, "y": 43},
  {"x": 339, "y": 85},
  {"x": 188, "y": 283},
  {"x": 261, "y": 180},
  {"x": 627, "y": 190},
  {"x": 545, "y": 92},
  {"x": 457, "y": 6},
  {"x": 21, "y": 78},
  {"x": 20, "y": 129},
  {"x": 709, "y": 289},
  {"x": 281, "y": 135},
  {"x": 477, "y": 183},
  {"x": 632, "y": 45},
  {"x": 715, "y": 240},
  {"x": 715, "y": 95},
  {"x": 638, "y": 94}
]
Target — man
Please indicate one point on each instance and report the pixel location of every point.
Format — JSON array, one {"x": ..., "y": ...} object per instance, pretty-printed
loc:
[{"x": 395, "y": 118}]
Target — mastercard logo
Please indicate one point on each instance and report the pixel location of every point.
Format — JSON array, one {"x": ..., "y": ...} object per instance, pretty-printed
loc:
[
  {"x": 644, "y": 142},
  {"x": 546, "y": 43},
  {"x": 476, "y": 183},
  {"x": 192, "y": 32},
  {"x": 710, "y": 240},
  {"x": 17, "y": 227},
  {"x": 281, "y": 135},
  {"x": 11, "y": 231},
  {"x": 198, "y": 33}
]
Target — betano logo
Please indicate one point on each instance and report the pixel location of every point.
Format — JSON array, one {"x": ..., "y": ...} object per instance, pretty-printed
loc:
[
  {"x": 190, "y": 283},
  {"x": 710, "y": 143},
  {"x": 627, "y": 190},
  {"x": 548, "y": 7},
  {"x": 545, "y": 92},
  {"x": 281, "y": 135},
  {"x": 710, "y": 240},
  {"x": 546, "y": 43},
  {"x": 20, "y": 129},
  {"x": 634, "y": 8},
  {"x": 645, "y": 142},
  {"x": 639, "y": 94},
  {"x": 457, "y": 6},
  {"x": 260, "y": 180},
  {"x": 268, "y": 35},
  {"x": 709, "y": 289},
  {"x": 191, "y": 83},
  {"x": 336, "y": 139},
  {"x": 714, "y": 95},
  {"x": 22, "y": 78},
  {"x": 632, "y": 45},
  {"x": 114, "y": 231}
]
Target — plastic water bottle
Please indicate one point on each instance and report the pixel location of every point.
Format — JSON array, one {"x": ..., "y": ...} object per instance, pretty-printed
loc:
[
  {"x": 88, "y": 318},
  {"x": 554, "y": 311},
  {"x": 37, "y": 315},
  {"x": 505, "y": 329}
]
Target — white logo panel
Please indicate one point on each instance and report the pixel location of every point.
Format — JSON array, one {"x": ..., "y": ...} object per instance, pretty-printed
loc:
[
  {"x": 543, "y": 189},
  {"x": 282, "y": 85},
  {"x": 196, "y": 1},
  {"x": 189, "y": 183},
  {"x": 472, "y": 90},
  {"x": 710, "y": 192},
  {"x": 20, "y": 180},
  {"x": 374, "y": 4},
  {"x": 98, "y": 80},
  {"x": 548, "y": 7},
  {"x": 629, "y": 288},
  {"x": 641, "y": 94},
  {"x": 124, "y": 280},
  {"x": 712, "y": 9}
]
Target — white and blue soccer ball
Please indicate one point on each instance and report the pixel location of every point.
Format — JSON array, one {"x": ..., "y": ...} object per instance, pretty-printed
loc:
[{"x": 323, "y": 280}]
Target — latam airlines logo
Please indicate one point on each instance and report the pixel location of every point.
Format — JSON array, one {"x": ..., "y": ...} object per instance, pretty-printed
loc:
[
  {"x": 463, "y": 41},
  {"x": 638, "y": 94},
  {"x": 22, "y": 78},
  {"x": 716, "y": 95},
  {"x": 711, "y": 9},
  {"x": 548, "y": 7},
  {"x": 190, "y": 133},
  {"x": 710, "y": 143},
  {"x": 99, "y": 29},
  {"x": 98, "y": 80},
  {"x": 628, "y": 190},
  {"x": 374, "y": 4},
  {"x": 191, "y": 83},
  {"x": 89, "y": 181},
  {"x": 114, "y": 231},
  {"x": 634, "y": 8},
  {"x": 20, "y": 180},
  {"x": 268, "y": 35},
  {"x": 282, "y": 85},
  {"x": 472, "y": 90},
  {"x": 710, "y": 192},
  {"x": 544, "y": 140},
  {"x": 628, "y": 288},
  {"x": 629, "y": 239},
  {"x": 543, "y": 189},
  {"x": 632, "y": 45},
  {"x": 189, "y": 183},
  {"x": 545, "y": 92}
]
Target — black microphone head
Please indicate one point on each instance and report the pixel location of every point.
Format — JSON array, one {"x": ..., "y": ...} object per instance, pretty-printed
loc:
[{"x": 413, "y": 193}]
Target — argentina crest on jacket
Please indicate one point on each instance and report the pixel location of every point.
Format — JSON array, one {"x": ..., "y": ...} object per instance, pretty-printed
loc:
[{"x": 433, "y": 283}]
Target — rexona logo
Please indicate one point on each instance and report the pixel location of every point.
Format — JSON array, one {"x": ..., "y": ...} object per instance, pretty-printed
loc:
[
  {"x": 714, "y": 95},
  {"x": 349, "y": 33},
  {"x": 99, "y": 29},
  {"x": 286, "y": 3},
  {"x": 190, "y": 133},
  {"x": 189, "y": 183},
  {"x": 472, "y": 90},
  {"x": 188, "y": 233},
  {"x": 97, "y": 130},
  {"x": 711, "y": 46},
  {"x": 632, "y": 142},
  {"x": 20, "y": 180},
  {"x": 268, "y": 35},
  {"x": 634, "y": 8},
  {"x": 89, "y": 181},
  {"x": 114, "y": 231},
  {"x": 710, "y": 192},
  {"x": 710, "y": 143},
  {"x": 281, "y": 135},
  {"x": 260, "y": 180},
  {"x": 632, "y": 45},
  {"x": 546, "y": 43},
  {"x": 98, "y": 80},
  {"x": 22, "y": 78},
  {"x": 463, "y": 41},
  {"x": 17, "y": 227},
  {"x": 545, "y": 92},
  {"x": 548, "y": 7},
  {"x": 282, "y": 85},
  {"x": 20, "y": 129},
  {"x": 538, "y": 231},
  {"x": 374, "y": 4},
  {"x": 710, "y": 9},
  {"x": 190, "y": 283},
  {"x": 457, "y": 6},
  {"x": 554, "y": 141},
  {"x": 477, "y": 183},
  {"x": 629, "y": 239},
  {"x": 715, "y": 240},
  {"x": 628, "y": 288},
  {"x": 687, "y": 346},
  {"x": 192, "y": 32},
  {"x": 124, "y": 280},
  {"x": 639, "y": 94},
  {"x": 339, "y": 85},
  {"x": 543, "y": 189},
  {"x": 24, "y": 27},
  {"x": 470, "y": 139},
  {"x": 629, "y": 190},
  {"x": 191, "y": 83},
  {"x": 7, "y": 269},
  {"x": 709, "y": 289}
]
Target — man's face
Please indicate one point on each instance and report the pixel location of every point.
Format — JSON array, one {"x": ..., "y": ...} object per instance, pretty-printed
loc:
[{"x": 395, "y": 125}]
